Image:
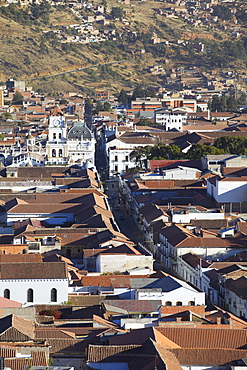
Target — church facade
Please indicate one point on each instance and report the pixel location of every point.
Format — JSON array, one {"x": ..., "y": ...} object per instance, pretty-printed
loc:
[{"x": 75, "y": 145}]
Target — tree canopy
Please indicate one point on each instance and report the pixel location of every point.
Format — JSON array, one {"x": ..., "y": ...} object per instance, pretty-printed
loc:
[
  {"x": 18, "y": 98},
  {"x": 222, "y": 145}
]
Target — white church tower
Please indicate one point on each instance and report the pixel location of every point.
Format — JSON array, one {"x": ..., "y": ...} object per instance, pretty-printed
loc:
[{"x": 57, "y": 147}]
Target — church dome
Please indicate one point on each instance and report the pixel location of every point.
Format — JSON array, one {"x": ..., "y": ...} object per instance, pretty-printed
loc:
[{"x": 79, "y": 131}]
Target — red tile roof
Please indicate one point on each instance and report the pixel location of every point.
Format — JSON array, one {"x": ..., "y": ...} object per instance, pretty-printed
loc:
[
  {"x": 206, "y": 338},
  {"x": 33, "y": 270},
  {"x": 207, "y": 356}
]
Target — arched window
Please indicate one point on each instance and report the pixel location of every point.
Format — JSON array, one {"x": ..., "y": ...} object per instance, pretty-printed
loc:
[
  {"x": 60, "y": 135},
  {"x": 54, "y": 295},
  {"x": 179, "y": 303},
  {"x": 191, "y": 303},
  {"x": 60, "y": 153},
  {"x": 54, "y": 136},
  {"x": 53, "y": 153},
  {"x": 6, "y": 293},
  {"x": 30, "y": 295},
  {"x": 168, "y": 303}
]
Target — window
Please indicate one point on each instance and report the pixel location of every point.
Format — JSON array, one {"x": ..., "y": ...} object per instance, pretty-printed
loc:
[
  {"x": 54, "y": 136},
  {"x": 53, "y": 153},
  {"x": 30, "y": 295},
  {"x": 54, "y": 295},
  {"x": 116, "y": 158},
  {"x": 60, "y": 135},
  {"x": 126, "y": 158},
  {"x": 60, "y": 153},
  {"x": 179, "y": 303},
  {"x": 6, "y": 293},
  {"x": 168, "y": 303},
  {"x": 191, "y": 303},
  {"x": 116, "y": 168}
]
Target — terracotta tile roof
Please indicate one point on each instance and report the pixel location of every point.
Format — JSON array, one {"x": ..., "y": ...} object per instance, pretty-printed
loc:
[
  {"x": 102, "y": 353},
  {"x": 53, "y": 333},
  {"x": 242, "y": 227},
  {"x": 210, "y": 224},
  {"x": 169, "y": 358},
  {"x": 238, "y": 286},
  {"x": 207, "y": 356},
  {"x": 152, "y": 212},
  {"x": 37, "y": 359},
  {"x": 206, "y": 338},
  {"x": 194, "y": 260},
  {"x": 122, "y": 249},
  {"x": 116, "y": 281},
  {"x": 14, "y": 328},
  {"x": 170, "y": 310},
  {"x": 68, "y": 236},
  {"x": 227, "y": 317},
  {"x": 4, "y": 302},
  {"x": 8, "y": 351},
  {"x": 222, "y": 265},
  {"x": 33, "y": 270},
  {"x": 133, "y": 306},
  {"x": 20, "y": 258}
]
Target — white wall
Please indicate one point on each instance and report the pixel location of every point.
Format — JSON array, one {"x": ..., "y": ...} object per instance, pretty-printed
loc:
[
  {"x": 53, "y": 219},
  {"x": 228, "y": 191},
  {"x": 231, "y": 191},
  {"x": 181, "y": 294},
  {"x": 41, "y": 288},
  {"x": 122, "y": 262},
  {"x": 186, "y": 218}
]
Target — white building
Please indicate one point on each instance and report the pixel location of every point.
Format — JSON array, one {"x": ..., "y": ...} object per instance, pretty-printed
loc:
[
  {"x": 123, "y": 258},
  {"x": 75, "y": 146},
  {"x": 177, "y": 173},
  {"x": 81, "y": 144},
  {"x": 171, "y": 291},
  {"x": 118, "y": 151},
  {"x": 234, "y": 294},
  {"x": 56, "y": 147},
  {"x": 227, "y": 189},
  {"x": 34, "y": 283},
  {"x": 174, "y": 119},
  {"x": 184, "y": 216}
]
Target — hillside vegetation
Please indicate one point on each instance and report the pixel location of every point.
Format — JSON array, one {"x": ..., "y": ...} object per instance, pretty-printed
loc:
[{"x": 27, "y": 52}]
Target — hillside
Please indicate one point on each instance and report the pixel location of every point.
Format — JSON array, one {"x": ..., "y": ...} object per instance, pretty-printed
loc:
[{"x": 32, "y": 46}]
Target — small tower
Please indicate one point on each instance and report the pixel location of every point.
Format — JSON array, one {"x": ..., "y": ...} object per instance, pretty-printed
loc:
[{"x": 56, "y": 148}]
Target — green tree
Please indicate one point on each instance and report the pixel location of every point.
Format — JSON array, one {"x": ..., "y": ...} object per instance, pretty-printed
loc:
[
  {"x": 18, "y": 98},
  {"x": 223, "y": 12},
  {"x": 140, "y": 156},
  {"x": 199, "y": 150},
  {"x": 117, "y": 12},
  {"x": 232, "y": 104},
  {"x": 5, "y": 116},
  {"x": 107, "y": 106},
  {"x": 98, "y": 107},
  {"x": 63, "y": 101},
  {"x": 232, "y": 145},
  {"x": 123, "y": 97}
]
